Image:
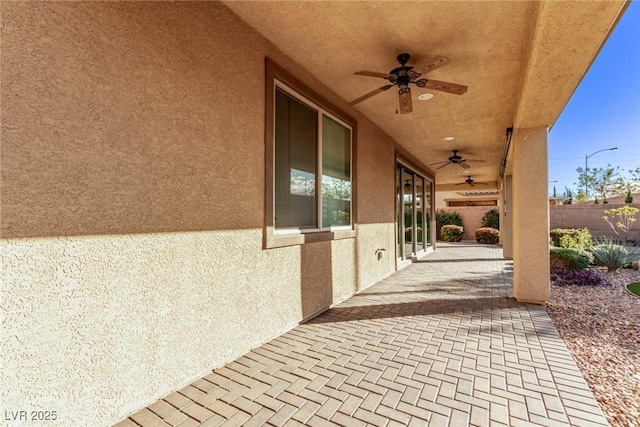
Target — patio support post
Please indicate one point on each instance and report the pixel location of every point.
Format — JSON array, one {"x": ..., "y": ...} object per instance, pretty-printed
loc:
[
  {"x": 530, "y": 213},
  {"x": 506, "y": 217}
]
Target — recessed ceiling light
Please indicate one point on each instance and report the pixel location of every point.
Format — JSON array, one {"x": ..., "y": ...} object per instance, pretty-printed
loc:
[
  {"x": 449, "y": 138},
  {"x": 425, "y": 96}
]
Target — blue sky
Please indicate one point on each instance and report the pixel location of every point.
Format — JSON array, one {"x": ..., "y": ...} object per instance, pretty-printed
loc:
[{"x": 604, "y": 111}]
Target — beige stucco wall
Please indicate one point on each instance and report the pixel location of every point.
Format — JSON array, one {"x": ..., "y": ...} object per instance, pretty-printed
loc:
[
  {"x": 133, "y": 204},
  {"x": 506, "y": 217},
  {"x": 442, "y": 197},
  {"x": 97, "y": 325},
  {"x": 530, "y": 215},
  {"x": 588, "y": 216}
]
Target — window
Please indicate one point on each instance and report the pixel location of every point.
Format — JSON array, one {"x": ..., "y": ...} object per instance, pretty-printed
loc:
[
  {"x": 312, "y": 170},
  {"x": 296, "y": 164}
]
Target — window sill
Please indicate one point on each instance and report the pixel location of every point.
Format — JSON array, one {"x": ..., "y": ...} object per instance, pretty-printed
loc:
[{"x": 274, "y": 239}]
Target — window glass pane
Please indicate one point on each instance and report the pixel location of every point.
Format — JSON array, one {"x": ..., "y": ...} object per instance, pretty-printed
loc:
[
  {"x": 419, "y": 213},
  {"x": 427, "y": 211},
  {"x": 336, "y": 173},
  {"x": 399, "y": 212},
  {"x": 407, "y": 179},
  {"x": 296, "y": 148}
]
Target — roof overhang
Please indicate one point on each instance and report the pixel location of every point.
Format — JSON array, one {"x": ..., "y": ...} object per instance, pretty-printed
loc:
[{"x": 521, "y": 60}]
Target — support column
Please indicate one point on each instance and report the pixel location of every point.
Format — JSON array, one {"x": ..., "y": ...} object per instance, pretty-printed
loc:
[
  {"x": 506, "y": 217},
  {"x": 530, "y": 212}
]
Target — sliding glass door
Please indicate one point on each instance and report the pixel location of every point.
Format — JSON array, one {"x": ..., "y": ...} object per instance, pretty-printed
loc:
[{"x": 413, "y": 204}]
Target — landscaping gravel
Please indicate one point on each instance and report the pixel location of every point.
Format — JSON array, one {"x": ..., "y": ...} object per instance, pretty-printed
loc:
[{"x": 600, "y": 327}]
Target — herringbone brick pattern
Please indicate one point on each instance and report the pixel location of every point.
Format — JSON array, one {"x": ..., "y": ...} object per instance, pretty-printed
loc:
[{"x": 440, "y": 343}]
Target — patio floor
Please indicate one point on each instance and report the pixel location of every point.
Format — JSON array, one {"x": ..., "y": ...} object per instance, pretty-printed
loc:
[{"x": 440, "y": 343}]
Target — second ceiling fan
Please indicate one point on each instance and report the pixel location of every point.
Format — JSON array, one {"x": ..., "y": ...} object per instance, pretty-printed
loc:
[
  {"x": 455, "y": 159},
  {"x": 471, "y": 182},
  {"x": 405, "y": 75}
]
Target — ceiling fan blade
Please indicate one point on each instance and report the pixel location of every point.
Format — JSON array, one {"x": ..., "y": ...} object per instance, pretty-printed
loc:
[
  {"x": 404, "y": 100},
  {"x": 370, "y": 94},
  {"x": 446, "y": 87},
  {"x": 463, "y": 165},
  {"x": 437, "y": 163},
  {"x": 443, "y": 166},
  {"x": 372, "y": 74},
  {"x": 433, "y": 63},
  {"x": 462, "y": 183},
  {"x": 481, "y": 183}
]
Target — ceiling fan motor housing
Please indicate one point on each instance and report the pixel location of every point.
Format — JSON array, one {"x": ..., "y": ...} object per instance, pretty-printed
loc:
[
  {"x": 402, "y": 75},
  {"x": 403, "y": 58},
  {"x": 455, "y": 158}
]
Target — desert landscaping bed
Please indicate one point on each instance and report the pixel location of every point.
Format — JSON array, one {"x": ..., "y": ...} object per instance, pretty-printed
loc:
[{"x": 600, "y": 327}]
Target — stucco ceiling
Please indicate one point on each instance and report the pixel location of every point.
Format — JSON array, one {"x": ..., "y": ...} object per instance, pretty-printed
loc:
[{"x": 521, "y": 61}]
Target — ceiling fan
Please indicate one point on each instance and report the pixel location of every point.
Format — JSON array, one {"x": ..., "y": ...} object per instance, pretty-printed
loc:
[
  {"x": 469, "y": 181},
  {"x": 404, "y": 75},
  {"x": 453, "y": 160}
]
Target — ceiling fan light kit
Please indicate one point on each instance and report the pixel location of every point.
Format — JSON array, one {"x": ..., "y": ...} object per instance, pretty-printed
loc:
[
  {"x": 455, "y": 159},
  {"x": 405, "y": 75},
  {"x": 471, "y": 183}
]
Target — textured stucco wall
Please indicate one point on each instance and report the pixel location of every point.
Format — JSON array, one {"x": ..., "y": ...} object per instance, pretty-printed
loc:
[
  {"x": 133, "y": 203},
  {"x": 530, "y": 214},
  {"x": 506, "y": 217},
  {"x": 97, "y": 325}
]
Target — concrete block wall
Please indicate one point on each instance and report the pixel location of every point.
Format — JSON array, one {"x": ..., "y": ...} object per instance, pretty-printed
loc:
[{"x": 588, "y": 216}]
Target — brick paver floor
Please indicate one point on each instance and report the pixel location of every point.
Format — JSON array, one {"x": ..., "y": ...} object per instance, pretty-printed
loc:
[{"x": 440, "y": 343}]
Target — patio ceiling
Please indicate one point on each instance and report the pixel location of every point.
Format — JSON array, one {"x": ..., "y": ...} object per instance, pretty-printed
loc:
[{"x": 521, "y": 61}]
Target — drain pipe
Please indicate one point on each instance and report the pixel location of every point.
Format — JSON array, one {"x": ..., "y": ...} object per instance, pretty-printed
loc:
[{"x": 505, "y": 153}]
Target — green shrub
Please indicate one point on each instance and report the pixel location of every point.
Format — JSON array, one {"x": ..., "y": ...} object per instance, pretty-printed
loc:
[
  {"x": 569, "y": 259},
  {"x": 487, "y": 235},
  {"x": 614, "y": 254},
  {"x": 577, "y": 238},
  {"x": 629, "y": 198},
  {"x": 447, "y": 218},
  {"x": 452, "y": 233},
  {"x": 491, "y": 219}
]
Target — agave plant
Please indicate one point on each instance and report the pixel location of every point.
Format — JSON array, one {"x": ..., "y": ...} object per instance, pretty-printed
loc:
[{"x": 614, "y": 254}]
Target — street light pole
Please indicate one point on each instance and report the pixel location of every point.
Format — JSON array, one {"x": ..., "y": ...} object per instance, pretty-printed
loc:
[{"x": 586, "y": 167}]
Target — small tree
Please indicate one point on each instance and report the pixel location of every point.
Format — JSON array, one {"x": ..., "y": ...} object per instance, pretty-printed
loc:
[
  {"x": 621, "y": 219},
  {"x": 569, "y": 195},
  {"x": 603, "y": 181},
  {"x": 631, "y": 182},
  {"x": 607, "y": 181},
  {"x": 629, "y": 198},
  {"x": 581, "y": 197},
  {"x": 491, "y": 219}
]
